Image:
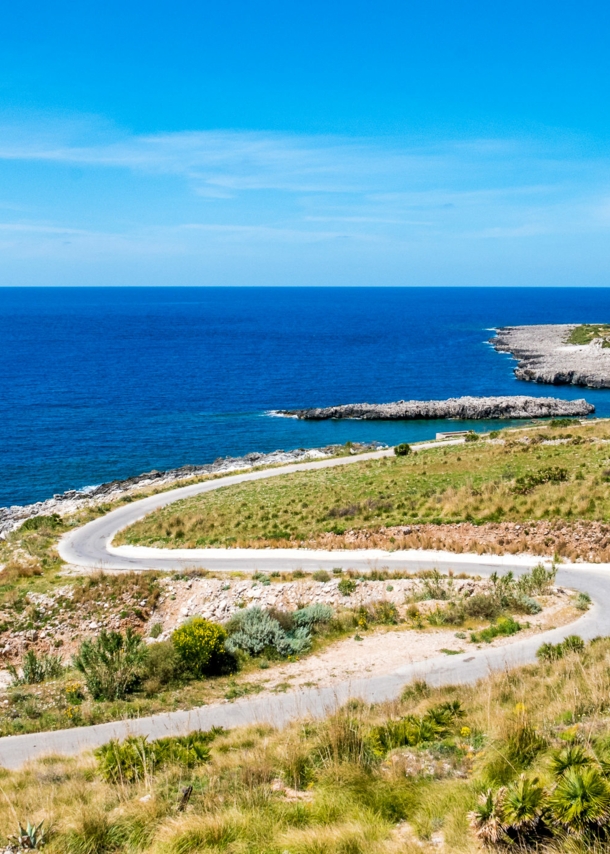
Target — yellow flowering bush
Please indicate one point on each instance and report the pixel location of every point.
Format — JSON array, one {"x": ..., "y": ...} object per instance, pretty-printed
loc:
[{"x": 201, "y": 646}]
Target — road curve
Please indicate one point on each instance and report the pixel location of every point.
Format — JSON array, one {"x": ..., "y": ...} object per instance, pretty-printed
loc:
[{"x": 90, "y": 547}]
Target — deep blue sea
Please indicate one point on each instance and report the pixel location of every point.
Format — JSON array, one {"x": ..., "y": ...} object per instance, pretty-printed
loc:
[{"x": 104, "y": 383}]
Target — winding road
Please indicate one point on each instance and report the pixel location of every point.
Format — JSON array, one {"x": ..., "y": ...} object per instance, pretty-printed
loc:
[{"x": 90, "y": 547}]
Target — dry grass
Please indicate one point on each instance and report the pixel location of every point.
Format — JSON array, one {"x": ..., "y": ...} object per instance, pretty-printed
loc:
[
  {"x": 316, "y": 787},
  {"x": 471, "y": 483}
]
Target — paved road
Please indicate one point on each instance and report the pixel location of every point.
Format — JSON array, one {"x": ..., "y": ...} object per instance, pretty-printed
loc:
[{"x": 89, "y": 547}]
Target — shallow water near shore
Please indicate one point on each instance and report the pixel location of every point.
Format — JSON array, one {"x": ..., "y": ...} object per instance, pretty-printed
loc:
[{"x": 105, "y": 383}]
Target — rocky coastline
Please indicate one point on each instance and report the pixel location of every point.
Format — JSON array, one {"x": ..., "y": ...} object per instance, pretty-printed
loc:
[
  {"x": 545, "y": 356},
  {"x": 471, "y": 408},
  {"x": 73, "y": 500}
]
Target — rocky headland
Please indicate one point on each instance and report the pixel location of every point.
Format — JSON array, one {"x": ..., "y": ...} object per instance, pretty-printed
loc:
[
  {"x": 545, "y": 355},
  {"x": 73, "y": 500},
  {"x": 471, "y": 408}
]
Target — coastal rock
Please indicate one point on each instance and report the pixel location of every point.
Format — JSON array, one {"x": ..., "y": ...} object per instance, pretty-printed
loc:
[
  {"x": 544, "y": 356},
  {"x": 471, "y": 408}
]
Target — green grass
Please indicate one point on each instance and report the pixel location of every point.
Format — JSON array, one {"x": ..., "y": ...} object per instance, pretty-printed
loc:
[
  {"x": 585, "y": 333},
  {"x": 480, "y": 482}
]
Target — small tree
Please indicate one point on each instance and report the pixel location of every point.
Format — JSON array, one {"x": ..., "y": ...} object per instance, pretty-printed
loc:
[
  {"x": 112, "y": 665},
  {"x": 402, "y": 450}
]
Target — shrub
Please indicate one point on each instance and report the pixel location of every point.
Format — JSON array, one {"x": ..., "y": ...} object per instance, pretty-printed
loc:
[
  {"x": 582, "y": 602},
  {"x": 384, "y": 612},
  {"x": 526, "y": 604},
  {"x": 553, "y": 652},
  {"x": 35, "y": 670},
  {"x": 200, "y": 644},
  {"x": 503, "y": 627},
  {"x": 134, "y": 758},
  {"x": 312, "y": 616},
  {"x": 538, "y": 580},
  {"x": 402, "y": 450},
  {"x": 113, "y": 664},
  {"x": 560, "y": 422},
  {"x": 346, "y": 586},
  {"x": 471, "y": 436},
  {"x": 412, "y": 730},
  {"x": 321, "y": 575},
  {"x": 36, "y": 523},
  {"x": 581, "y": 800},
  {"x": 484, "y": 606},
  {"x": 156, "y": 630},
  {"x": 163, "y": 663},
  {"x": 255, "y": 632},
  {"x": 527, "y": 482}
]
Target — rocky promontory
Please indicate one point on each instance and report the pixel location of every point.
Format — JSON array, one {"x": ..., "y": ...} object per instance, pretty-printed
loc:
[
  {"x": 545, "y": 354},
  {"x": 471, "y": 408}
]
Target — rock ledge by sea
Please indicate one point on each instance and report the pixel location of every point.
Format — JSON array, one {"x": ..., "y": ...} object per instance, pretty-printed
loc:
[
  {"x": 471, "y": 408},
  {"x": 544, "y": 356}
]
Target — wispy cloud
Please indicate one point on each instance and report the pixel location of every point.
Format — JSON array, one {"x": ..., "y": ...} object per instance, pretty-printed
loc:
[{"x": 227, "y": 194}]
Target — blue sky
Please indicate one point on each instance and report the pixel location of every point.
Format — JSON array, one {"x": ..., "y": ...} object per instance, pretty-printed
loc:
[{"x": 318, "y": 143}]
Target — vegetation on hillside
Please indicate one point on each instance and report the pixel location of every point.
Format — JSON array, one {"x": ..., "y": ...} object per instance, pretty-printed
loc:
[
  {"x": 554, "y": 472},
  {"x": 116, "y": 675},
  {"x": 519, "y": 761}
]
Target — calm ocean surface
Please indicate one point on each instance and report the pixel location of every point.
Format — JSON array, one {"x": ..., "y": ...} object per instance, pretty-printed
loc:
[{"x": 98, "y": 384}]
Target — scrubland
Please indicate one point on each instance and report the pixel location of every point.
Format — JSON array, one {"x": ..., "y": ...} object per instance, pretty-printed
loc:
[
  {"x": 553, "y": 482},
  {"x": 411, "y": 775}
]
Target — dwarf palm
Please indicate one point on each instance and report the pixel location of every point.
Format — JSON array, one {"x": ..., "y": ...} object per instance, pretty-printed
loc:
[{"x": 581, "y": 800}]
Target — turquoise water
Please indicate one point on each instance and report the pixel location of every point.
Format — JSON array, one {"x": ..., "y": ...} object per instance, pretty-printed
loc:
[{"x": 104, "y": 383}]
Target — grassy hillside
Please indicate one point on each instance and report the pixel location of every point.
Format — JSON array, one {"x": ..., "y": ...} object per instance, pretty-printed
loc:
[
  {"x": 549, "y": 473},
  {"x": 400, "y": 777}
]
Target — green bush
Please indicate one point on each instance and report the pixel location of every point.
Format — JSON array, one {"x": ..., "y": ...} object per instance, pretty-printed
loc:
[
  {"x": 471, "y": 436},
  {"x": 346, "y": 586},
  {"x": 402, "y": 450},
  {"x": 200, "y": 645},
  {"x": 163, "y": 664},
  {"x": 527, "y": 482},
  {"x": 503, "y": 627},
  {"x": 553, "y": 652},
  {"x": 384, "y": 612},
  {"x": 134, "y": 758},
  {"x": 560, "y": 422},
  {"x": 312, "y": 616},
  {"x": 412, "y": 730},
  {"x": 35, "y": 670},
  {"x": 36, "y": 523},
  {"x": 483, "y": 606},
  {"x": 113, "y": 664},
  {"x": 255, "y": 632},
  {"x": 321, "y": 575},
  {"x": 538, "y": 580}
]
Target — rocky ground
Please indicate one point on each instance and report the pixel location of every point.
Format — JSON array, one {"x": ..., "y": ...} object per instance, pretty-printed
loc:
[
  {"x": 472, "y": 408},
  {"x": 581, "y": 540},
  {"x": 545, "y": 357}
]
